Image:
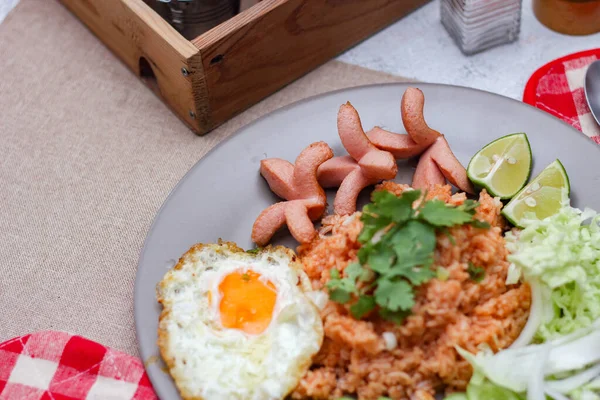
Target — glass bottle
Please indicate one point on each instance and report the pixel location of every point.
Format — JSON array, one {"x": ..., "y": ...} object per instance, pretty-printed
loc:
[{"x": 571, "y": 17}]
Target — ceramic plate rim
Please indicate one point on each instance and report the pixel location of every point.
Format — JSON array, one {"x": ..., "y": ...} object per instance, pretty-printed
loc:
[{"x": 139, "y": 269}]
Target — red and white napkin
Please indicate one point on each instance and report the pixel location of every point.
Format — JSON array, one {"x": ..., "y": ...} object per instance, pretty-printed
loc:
[
  {"x": 557, "y": 88},
  {"x": 52, "y": 365}
]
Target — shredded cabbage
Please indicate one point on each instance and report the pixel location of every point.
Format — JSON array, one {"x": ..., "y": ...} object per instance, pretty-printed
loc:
[{"x": 563, "y": 253}]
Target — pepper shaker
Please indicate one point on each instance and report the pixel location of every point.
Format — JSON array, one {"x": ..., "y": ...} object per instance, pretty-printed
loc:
[
  {"x": 194, "y": 17},
  {"x": 477, "y": 25}
]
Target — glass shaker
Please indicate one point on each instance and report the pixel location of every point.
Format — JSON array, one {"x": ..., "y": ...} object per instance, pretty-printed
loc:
[{"x": 477, "y": 25}]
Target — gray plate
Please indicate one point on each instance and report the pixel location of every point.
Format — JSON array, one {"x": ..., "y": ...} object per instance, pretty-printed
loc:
[{"x": 223, "y": 193}]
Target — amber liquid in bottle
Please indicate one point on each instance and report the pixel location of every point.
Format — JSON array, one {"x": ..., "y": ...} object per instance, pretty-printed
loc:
[{"x": 571, "y": 17}]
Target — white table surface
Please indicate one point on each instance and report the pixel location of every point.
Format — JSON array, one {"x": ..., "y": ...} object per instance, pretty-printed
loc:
[{"x": 419, "y": 47}]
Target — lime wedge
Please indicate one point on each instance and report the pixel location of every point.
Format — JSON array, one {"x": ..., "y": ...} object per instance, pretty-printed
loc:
[
  {"x": 503, "y": 166},
  {"x": 541, "y": 198}
]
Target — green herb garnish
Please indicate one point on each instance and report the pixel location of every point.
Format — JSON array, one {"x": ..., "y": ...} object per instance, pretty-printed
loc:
[
  {"x": 398, "y": 242},
  {"x": 476, "y": 273},
  {"x": 254, "y": 251}
]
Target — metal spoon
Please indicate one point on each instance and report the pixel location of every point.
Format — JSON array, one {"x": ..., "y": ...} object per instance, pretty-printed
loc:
[{"x": 592, "y": 89}]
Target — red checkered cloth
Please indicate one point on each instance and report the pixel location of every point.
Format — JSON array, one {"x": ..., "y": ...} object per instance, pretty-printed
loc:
[
  {"x": 557, "y": 88},
  {"x": 54, "y": 365}
]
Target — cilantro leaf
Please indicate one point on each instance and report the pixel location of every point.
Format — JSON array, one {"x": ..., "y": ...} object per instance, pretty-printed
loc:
[
  {"x": 254, "y": 251},
  {"x": 422, "y": 235},
  {"x": 363, "y": 306},
  {"x": 334, "y": 273},
  {"x": 437, "y": 213},
  {"x": 339, "y": 296},
  {"x": 345, "y": 284},
  {"x": 364, "y": 251},
  {"x": 405, "y": 209},
  {"x": 476, "y": 223},
  {"x": 476, "y": 273},
  {"x": 414, "y": 246},
  {"x": 353, "y": 271},
  {"x": 372, "y": 223},
  {"x": 416, "y": 275},
  {"x": 394, "y": 295},
  {"x": 381, "y": 260},
  {"x": 398, "y": 209},
  {"x": 394, "y": 316},
  {"x": 469, "y": 206},
  {"x": 340, "y": 290}
]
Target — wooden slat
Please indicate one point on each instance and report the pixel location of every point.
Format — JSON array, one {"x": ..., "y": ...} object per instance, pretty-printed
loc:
[
  {"x": 276, "y": 41},
  {"x": 241, "y": 61},
  {"x": 133, "y": 30}
]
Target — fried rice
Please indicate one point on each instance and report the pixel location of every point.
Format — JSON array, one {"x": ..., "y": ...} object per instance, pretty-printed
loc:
[{"x": 414, "y": 360}]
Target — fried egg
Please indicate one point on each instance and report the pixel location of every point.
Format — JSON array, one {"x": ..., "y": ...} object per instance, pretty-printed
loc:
[{"x": 237, "y": 325}]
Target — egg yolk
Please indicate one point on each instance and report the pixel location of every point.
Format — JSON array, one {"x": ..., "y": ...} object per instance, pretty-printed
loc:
[{"x": 247, "y": 302}]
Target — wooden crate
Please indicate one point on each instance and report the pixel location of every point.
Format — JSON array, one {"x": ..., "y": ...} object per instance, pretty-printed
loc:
[{"x": 211, "y": 78}]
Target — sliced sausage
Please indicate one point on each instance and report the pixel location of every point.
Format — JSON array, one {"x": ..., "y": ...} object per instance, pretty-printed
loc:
[
  {"x": 347, "y": 195},
  {"x": 268, "y": 222},
  {"x": 351, "y": 132},
  {"x": 427, "y": 174},
  {"x": 379, "y": 165},
  {"x": 411, "y": 108},
  {"x": 332, "y": 172},
  {"x": 307, "y": 163},
  {"x": 367, "y": 164},
  {"x": 299, "y": 185},
  {"x": 298, "y": 221},
  {"x": 279, "y": 174},
  {"x": 449, "y": 165},
  {"x": 400, "y": 145}
]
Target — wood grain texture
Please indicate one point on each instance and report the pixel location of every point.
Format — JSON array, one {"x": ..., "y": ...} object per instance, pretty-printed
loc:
[
  {"x": 133, "y": 31},
  {"x": 276, "y": 41},
  {"x": 239, "y": 62}
]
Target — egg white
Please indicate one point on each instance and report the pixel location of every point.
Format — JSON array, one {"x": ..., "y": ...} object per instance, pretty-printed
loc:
[{"x": 208, "y": 361}]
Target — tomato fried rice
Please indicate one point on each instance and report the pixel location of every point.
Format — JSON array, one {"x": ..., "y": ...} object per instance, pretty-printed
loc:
[{"x": 414, "y": 360}]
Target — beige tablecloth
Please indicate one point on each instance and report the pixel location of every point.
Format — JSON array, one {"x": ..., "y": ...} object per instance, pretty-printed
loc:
[{"x": 87, "y": 156}]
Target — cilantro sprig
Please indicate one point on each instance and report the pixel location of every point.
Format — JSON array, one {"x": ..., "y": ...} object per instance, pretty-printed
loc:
[
  {"x": 398, "y": 241},
  {"x": 477, "y": 274}
]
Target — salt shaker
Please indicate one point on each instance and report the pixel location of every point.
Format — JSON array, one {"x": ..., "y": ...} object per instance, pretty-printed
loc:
[{"x": 477, "y": 25}]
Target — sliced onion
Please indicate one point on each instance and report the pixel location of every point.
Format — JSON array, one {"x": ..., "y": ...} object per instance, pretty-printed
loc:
[
  {"x": 535, "y": 317},
  {"x": 575, "y": 354},
  {"x": 535, "y": 385},
  {"x": 573, "y": 382}
]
